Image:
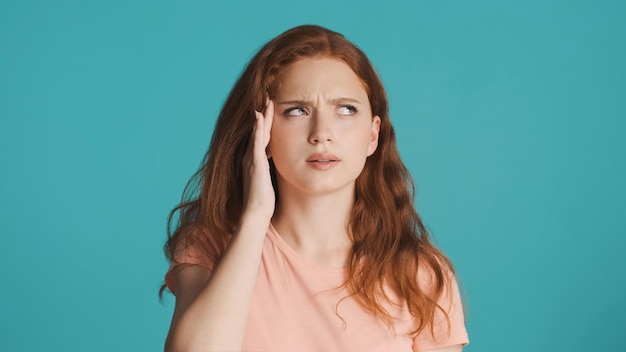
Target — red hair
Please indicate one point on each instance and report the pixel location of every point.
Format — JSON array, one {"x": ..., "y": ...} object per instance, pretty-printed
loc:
[{"x": 389, "y": 241}]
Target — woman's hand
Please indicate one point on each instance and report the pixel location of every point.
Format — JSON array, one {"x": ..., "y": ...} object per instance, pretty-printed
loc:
[
  {"x": 212, "y": 309},
  {"x": 259, "y": 198}
]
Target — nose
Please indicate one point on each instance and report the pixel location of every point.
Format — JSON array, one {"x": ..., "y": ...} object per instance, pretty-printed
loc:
[{"x": 321, "y": 128}]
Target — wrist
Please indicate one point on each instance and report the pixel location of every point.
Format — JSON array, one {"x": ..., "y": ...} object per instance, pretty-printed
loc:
[{"x": 253, "y": 224}]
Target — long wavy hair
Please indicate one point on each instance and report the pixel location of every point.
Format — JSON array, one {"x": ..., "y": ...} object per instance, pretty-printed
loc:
[{"x": 389, "y": 240}]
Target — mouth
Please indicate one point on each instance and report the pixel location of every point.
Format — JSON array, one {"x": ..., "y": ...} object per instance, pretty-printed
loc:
[
  {"x": 323, "y": 162},
  {"x": 322, "y": 158}
]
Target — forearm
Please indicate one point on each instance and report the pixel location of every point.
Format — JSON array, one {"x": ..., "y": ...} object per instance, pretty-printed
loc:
[{"x": 216, "y": 319}]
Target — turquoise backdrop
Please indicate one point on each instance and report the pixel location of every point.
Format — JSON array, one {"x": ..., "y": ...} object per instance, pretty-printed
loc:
[{"x": 510, "y": 115}]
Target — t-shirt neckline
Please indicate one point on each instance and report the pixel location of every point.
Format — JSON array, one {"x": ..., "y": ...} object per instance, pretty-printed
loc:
[{"x": 292, "y": 253}]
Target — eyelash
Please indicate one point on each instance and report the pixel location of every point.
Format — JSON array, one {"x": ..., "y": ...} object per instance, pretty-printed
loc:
[
  {"x": 288, "y": 111},
  {"x": 350, "y": 107}
]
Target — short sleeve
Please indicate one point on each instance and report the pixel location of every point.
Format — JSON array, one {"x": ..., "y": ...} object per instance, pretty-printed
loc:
[
  {"x": 190, "y": 255},
  {"x": 446, "y": 334}
]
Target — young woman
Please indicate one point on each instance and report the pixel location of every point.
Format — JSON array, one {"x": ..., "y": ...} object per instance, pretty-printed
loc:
[{"x": 299, "y": 232}]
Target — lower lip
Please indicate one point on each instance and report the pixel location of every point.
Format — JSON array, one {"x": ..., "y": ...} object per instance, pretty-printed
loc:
[{"x": 323, "y": 165}]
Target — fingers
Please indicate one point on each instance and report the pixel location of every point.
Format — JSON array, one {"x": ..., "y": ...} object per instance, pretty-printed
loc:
[
  {"x": 258, "y": 135},
  {"x": 269, "y": 119},
  {"x": 257, "y": 183}
]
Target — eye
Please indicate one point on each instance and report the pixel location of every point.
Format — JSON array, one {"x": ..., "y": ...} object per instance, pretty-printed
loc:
[
  {"x": 347, "y": 110},
  {"x": 295, "y": 111}
]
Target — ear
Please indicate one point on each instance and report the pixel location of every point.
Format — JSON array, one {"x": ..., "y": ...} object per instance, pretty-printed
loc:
[{"x": 371, "y": 148}]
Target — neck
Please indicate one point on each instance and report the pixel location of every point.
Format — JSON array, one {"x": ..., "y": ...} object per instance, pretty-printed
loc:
[{"x": 316, "y": 226}]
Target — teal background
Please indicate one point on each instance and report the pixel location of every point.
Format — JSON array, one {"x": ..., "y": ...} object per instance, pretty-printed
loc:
[{"x": 510, "y": 115}]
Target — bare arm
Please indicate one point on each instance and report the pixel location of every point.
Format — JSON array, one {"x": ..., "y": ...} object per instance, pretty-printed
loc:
[{"x": 212, "y": 309}]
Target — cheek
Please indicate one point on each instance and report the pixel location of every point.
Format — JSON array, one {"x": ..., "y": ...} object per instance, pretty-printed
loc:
[
  {"x": 361, "y": 136},
  {"x": 276, "y": 136},
  {"x": 279, "y": 139}
]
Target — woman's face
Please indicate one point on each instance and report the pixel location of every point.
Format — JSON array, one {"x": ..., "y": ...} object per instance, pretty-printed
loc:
[{"x": 323, "y": 129}]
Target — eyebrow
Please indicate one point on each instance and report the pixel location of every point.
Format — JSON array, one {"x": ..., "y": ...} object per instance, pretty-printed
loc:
[{"x": 335, "y": 101}]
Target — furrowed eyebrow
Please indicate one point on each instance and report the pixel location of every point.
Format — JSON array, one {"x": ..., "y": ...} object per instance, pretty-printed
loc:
[
  {"x": 294, "y": 102},
  {"x": 345, "y": 100},
  {"x": 336, "y": 101}
]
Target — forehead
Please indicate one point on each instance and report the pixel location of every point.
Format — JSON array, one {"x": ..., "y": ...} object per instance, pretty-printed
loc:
[{"x": 327, "y": 76}]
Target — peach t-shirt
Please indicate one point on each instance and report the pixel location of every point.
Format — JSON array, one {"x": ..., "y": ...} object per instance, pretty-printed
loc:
[{"x": 294, "y": 308}]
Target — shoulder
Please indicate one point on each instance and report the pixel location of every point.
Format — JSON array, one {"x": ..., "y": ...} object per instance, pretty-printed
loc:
[
  {"x": 448, "y": 325},
  {"x": 195, "y": 248}
]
